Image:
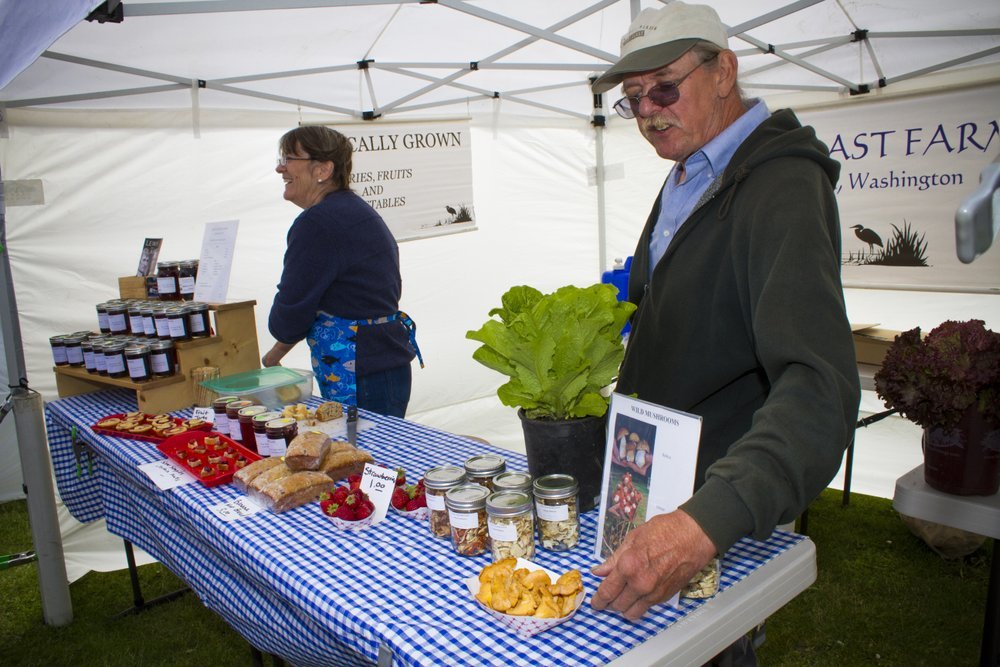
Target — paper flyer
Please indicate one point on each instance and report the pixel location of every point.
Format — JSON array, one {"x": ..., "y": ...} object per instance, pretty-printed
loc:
[{"x": 216, "y": 261}]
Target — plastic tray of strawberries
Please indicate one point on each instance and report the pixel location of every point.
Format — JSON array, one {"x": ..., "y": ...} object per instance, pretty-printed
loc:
[
  {"x": 211, "y": 457},
  {"x": 143, "y": 426}
]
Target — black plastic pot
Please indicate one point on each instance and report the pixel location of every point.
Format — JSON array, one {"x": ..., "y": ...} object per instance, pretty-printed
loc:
[{"x": 573, "y": 446}]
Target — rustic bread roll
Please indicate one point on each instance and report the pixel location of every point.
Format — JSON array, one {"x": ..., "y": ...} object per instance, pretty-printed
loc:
[
  {"x": 329, "y": 410},
  {"x": 294, "y": 490},
  {"x": 242, "y": 478},
  {"x": 339, "y": 464},
  {"x": 260, "y": 481},
  {"x": 306, "y": 450}
]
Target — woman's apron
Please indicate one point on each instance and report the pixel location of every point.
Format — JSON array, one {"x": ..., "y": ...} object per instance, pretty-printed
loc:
[{"x": 333, "y": 346}]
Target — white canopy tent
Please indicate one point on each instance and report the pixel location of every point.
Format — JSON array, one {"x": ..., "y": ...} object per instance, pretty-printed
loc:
[{"x": 169, "y": 119}]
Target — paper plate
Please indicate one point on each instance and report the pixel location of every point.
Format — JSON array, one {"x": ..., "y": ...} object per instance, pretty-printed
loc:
[
  {"x": 341, "y": 524},
  {"x": 421, "y": 513},
  {"x": 524, "y": 626}
]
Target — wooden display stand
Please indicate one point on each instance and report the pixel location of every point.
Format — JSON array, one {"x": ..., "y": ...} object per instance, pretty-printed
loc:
[{"x": 233, "y": 349}]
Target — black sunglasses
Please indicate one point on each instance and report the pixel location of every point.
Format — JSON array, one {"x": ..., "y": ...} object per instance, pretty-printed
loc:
[{"x": 662, "y": 94}]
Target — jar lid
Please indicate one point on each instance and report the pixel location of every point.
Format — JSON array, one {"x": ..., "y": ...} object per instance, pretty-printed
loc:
[
  {"x": 444, "y": 477},
  {"x": 465, "y": 496},
  {"x": 238, "y": 405},
  {"x": 189, "y": 262},
  {"x": 137, "y": 349},
  {"x": 197, "y": 306},
  {"x": 512, "y": 480},
  {"x": 167, "y": 265},
  {"x": 59, "y": 339},
  {"x": 507, "y": 503},
  {"x": 160, "y": 345},
  {"x": 280, "y": 422},
  {"x": 114, "y": 346},
  {"x": 120, "y": 306},
  {"x": 265, "y": 417},
  {"x": 485, "y": 465},
  {"x": 102, "y": 306},
  {"x": 252, "y": 410},
  {"x": 175, "y": 311},
  {"x": 555, "y": 486},
  {"x": 221, "y": 401}
]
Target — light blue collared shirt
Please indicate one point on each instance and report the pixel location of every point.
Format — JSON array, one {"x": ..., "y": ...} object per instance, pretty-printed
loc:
[{"x": 678, "y": 199}]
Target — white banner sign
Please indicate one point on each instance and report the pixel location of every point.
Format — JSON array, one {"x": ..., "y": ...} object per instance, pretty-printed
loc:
[
  {"x": 418, "y": 176},
  {"x": 906, "y": 166}
]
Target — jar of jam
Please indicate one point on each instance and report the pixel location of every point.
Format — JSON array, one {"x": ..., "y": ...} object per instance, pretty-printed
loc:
[
  {"x": 437, "y": 481},
  {"x": 102, "y": 318},
  {"x": 117, "y": 317},
  {"x": 199, "y": 320},
  {"x": 233, "y": 417},
  {"x": 139, "y": 362},
  {"x": 221, "y": 416},
  {"x": 483, "y": 468},
  {"x": 177, "y": 321},
  {"x": 73, "y": 344},
  {"x": 88, "y": 355},
  {"x": 259, "y": 424},
  {"x": 100, "y": 361},
  {"x": 161, "y": 323},
  {"x": 513, "y": 480},
  {"x": 245, "y": 417},
  {"x": 511, "y": 523},
  {"x": 466, "y": 505},
  {"x": 186, "y": 275},
  {"x": 58, "y": 344},
  {"x": 280, "y": 433},
  {"x": 557, "y": 509},
  {"x": 167, "y": 281},
  {"x": 148, "y": 325},
  {"x": 162, "y": 358},
  {"x": 114, "y": 358},
  {"x": 135, "y": 323}
]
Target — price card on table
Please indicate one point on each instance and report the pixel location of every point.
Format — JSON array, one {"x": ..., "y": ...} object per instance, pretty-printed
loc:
[
  {"x": 378, "y": 482},
  {"x": 237, "y": 508},
  {"x": 166, "y": 474},
  {"x": 205, "y": 414}
]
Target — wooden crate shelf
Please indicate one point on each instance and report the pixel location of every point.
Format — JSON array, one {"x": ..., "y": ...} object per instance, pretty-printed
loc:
[{"x": 233, "y": 349}]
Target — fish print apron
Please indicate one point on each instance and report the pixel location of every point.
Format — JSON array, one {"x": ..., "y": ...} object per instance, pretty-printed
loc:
[{"x": 333, "y": 347}]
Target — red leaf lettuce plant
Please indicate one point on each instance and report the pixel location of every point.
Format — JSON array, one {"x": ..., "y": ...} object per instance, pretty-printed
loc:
[{"x": 934, "y": 380}]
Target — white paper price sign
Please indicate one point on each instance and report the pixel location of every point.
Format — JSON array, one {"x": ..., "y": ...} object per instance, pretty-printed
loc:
[
  {"x": 205, "y": 414},
  {"x": 237, "y": 508},
  {"x": 378, "y": 482},
  {"x": 166, "y": 474}
]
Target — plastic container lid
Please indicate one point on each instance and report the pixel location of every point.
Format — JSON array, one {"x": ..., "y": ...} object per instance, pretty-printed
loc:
[{"x": 274, "y": 386}]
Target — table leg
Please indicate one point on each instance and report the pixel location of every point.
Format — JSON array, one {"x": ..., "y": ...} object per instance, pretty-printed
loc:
[
  {"x": 989, "y": 655},
  {"x": 138, "y": 603}
]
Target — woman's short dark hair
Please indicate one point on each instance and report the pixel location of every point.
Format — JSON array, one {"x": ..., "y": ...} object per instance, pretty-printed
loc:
[{"x": 323, "y": 144}]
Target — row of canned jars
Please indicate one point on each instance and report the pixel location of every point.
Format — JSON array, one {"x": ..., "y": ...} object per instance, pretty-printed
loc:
[
  {"x": 175, "y": 281},
  {"x": 119, "y": 357},
  {"x": 153, "y": 319},
  {"x": 258, "y": 428},
  {"x": 483, "y": 506}
]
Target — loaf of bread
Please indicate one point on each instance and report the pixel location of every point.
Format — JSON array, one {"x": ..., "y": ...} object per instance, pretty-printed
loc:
[
  {"x": 245, "y": 475},
  {"x": 329, "y": 410},
  {"x": 306, "y": 450},
  {"x": 343, "y": 462},
  {"x": 294, "y": 490},
  {"x": 260, "y": 481}
]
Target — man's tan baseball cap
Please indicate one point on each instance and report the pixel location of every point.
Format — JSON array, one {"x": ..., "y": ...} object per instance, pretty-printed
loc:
[{"x": 657, "y": 37}]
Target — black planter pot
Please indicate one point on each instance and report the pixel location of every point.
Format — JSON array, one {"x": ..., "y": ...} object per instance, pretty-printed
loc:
[{"x": 571, "y": 446}]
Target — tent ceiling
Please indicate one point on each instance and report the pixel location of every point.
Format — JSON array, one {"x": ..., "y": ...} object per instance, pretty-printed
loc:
[{"x": 281, "y": 54}]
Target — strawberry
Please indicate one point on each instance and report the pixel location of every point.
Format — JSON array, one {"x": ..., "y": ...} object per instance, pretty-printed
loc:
[
  {"x": 354, "y": 481},
  {"x": 400, "y": 477},
  {"x": 329, "y": 508},
  {"x": 339, "y": 494},
  {"x": 324, "y": 496},
  {"x": 414, "y": 504},
  {"x": 399, "y": 498},
  {"x": 420, "y": 500},
  {"x": 346, "y": 513},
  {"x": 364, "y": 510}
]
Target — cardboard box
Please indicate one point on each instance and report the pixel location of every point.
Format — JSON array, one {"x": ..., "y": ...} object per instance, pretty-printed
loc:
[{"x": 871, "y": 343}]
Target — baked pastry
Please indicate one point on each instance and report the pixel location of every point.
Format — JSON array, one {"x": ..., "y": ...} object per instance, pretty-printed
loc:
[
  {"x": 340, "y": 463},
  {"x": 306, "y": 450},
  {"x": 194, "y": 423},
  {"x": 110, "y": 422},
  {"x": 248, "y": 472},
  {"x": 141, "y": 428},
  {"x": 211, "y": 440},
  {"x": 294, "y": 490},
  {"x": 329, "y": 410},
  {"x": 270, "y": 475}
]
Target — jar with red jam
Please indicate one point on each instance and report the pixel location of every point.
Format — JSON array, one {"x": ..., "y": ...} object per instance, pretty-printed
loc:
[
  {"x": 58, "y": 344},
  {"x": 114, "y": 358},
  {"x": 280, "y": 433},
  {"x": 168, "y": 281},
  {"x": 186, "y": 275},
  {"x": 199, "y": 320},
  {"x": 178, "y": 324},
  {"x": 245, "y": 418},
  {"x": 259, "y": 424},
  {"x": 102, "y": 318},
  {"x": 221, "y": 417},
  {"x": 117, "y": 318},
  {"x": 140, "y": 367},
  {"x": 163, "y": 358}
]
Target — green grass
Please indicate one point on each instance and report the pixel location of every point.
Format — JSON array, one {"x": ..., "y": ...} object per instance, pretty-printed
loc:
[{"x": 882, "y": 598}]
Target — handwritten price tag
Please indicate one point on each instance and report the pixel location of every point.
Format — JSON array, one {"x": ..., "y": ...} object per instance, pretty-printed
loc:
[
  {"x": 236, "y": 509},
  {"x": 205, "y": 414},
  {"x": 166, "y": 474},
  {"x": 378, "y": 482}
]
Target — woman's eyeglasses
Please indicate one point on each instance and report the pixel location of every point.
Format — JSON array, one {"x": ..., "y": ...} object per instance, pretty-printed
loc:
[
  {"x": 662, "y": 94},
  {"x": 283, "y": 160}
]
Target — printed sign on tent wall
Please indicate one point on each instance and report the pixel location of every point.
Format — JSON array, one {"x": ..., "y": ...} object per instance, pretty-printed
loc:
[
  {"x": 417, "y": 175},
  {"x": 906, "y": 165}
]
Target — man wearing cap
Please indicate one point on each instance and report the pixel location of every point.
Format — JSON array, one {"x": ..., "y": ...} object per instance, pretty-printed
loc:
[{"x": 740, "y": 318}]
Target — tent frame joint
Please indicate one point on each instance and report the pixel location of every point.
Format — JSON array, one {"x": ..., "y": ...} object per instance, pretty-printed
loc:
[
  {"x": 859, "y": 35},
  {"x": 363, "y": 64}
]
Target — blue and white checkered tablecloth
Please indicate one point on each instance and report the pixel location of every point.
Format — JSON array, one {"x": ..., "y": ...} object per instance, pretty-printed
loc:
[{"x": 296, "y": 587}]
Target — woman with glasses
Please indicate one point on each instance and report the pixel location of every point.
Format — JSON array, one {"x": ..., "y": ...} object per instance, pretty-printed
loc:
[{"x": 340, "y": 286}]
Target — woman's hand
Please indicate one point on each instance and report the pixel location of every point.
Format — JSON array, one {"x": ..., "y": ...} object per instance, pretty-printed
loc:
[{"x": 275, "y": 354}]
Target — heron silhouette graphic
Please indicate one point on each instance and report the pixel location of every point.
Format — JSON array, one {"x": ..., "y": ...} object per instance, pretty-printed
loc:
[{"x": 868, "y": 236}]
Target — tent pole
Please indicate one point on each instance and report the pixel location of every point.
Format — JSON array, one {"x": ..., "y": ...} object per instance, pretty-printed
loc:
[
  {"x": 602, "y": 226},
  {"x": 36, "y": 468}
]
